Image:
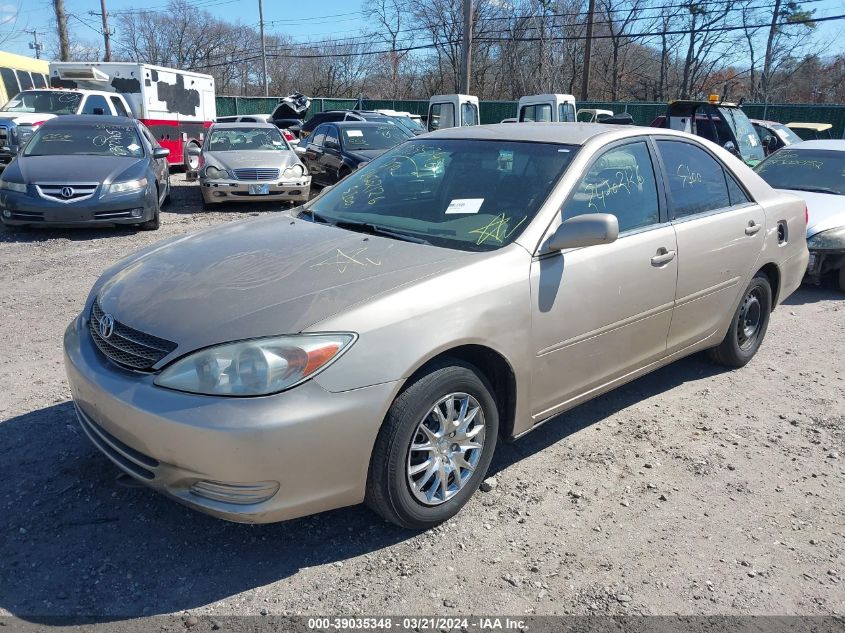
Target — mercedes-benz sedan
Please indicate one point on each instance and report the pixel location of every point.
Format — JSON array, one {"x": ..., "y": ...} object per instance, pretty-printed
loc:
[{"x": 466, "y": 286}]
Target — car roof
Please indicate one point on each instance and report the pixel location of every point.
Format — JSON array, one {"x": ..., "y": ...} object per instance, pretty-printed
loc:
[
  {"x": 818, "y": 127},
  {"x": 828, "y": 144},
  {"x": 244, "y": 124},
  {"x": 565, "y": 133},
  {"x": 89, "y": 119}
]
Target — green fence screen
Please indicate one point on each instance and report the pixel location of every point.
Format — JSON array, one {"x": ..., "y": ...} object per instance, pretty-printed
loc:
[{"x": 495, "y": 111}]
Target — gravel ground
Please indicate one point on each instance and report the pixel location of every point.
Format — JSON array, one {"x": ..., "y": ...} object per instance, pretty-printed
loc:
[{"x": 693, "y": 490}]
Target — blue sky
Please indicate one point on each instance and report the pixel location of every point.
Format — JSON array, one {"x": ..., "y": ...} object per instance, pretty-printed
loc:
[{"x": 303, "y": 20}]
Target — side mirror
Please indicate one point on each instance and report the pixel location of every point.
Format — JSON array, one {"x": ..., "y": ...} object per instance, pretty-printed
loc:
[
  {"x": 331, "y": 145},
  {"x": 362, "y": 164},
  {"x": 193, "y": 150},
  {"x": 98, "y": 111},
  {"x": 161, "y": 152},
  {"x": 730, "y": 146},
  {"x": 585, "y": 230},
  {"x": 770, "y": 142},
  {"x": 300, "y": 150}
]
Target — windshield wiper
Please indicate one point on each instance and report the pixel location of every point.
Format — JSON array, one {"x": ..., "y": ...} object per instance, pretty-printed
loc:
[
  {"x": 373, "y": 229},
  {"x": 818, "y": 190},
  {"x": 316, "y": 217}
]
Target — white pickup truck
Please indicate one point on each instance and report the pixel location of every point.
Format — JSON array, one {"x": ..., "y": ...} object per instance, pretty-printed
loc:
[{"x": 28, "y": 109}]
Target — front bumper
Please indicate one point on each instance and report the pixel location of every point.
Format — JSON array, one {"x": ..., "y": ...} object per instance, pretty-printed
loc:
[
  {"x": 218, "y": 191},
  {"x": 822, "y": 262},
  {"x": 30, "y": 208},
  {"x": 311, "y": 445}
]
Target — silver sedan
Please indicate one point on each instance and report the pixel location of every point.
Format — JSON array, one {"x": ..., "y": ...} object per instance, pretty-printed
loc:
[
  {"x": 250, "y": 162},
  {"x": 465, "y": 286}
]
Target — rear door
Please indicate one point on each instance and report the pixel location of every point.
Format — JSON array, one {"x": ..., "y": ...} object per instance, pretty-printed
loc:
[
  {"x": 314, "y": 153},
  {"x": 331, "y": 160},
  {"x": 720, "y": 232}
]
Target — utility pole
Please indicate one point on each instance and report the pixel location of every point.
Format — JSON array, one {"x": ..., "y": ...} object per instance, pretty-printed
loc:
[
  {"x": 263, "y": 48},
  {"x": 588, "y": 49},
  {"x": 35, "y": 45},
  {"x": 61, "y": 27},
  {"x": 106, "y": 32},
  {"x": 466, "y": 48}
]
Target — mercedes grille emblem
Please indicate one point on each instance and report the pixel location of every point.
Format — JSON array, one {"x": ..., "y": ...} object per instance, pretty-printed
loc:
[
  {"x": 106, "y": 326},
  {"x": 67, "y": 192}
]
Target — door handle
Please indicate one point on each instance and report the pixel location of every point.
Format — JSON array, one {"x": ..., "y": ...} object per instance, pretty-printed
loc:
[
  {"x": 752, "y": 227},
  {"x": 663, "y": 257}
]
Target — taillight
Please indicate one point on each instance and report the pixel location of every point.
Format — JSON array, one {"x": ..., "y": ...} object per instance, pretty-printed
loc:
[
  {"x": 288, "y": 136},
  {"x": 37, "y": 123},
  {"x": 806, "y": 215}
]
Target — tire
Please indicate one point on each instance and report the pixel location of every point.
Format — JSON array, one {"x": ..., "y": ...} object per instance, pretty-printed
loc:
[
  {"x": 390, "y": 491},
  {"x": 748, "y": 325},
  {"x": 842, "y": 279},
  {"x": 191, "y": 163},
  {"x": 155, "y": 222}
]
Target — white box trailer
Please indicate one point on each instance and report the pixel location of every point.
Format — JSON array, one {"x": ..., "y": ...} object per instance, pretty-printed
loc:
[{"x": 176, "y": 105}]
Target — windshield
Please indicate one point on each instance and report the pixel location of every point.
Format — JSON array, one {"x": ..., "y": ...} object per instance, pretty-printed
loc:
[
  {"x": 235, "y": 139},
  {"x": 372, "y": 137},
  {"x": 749, "y": 144},
  {"x": 822, "y": 171},
  {"x": 102, "y": 139},
  {"x": 786, "y": 135},
  {"x": 463, "y": 194},
  {"x": 46, "y": 101}
]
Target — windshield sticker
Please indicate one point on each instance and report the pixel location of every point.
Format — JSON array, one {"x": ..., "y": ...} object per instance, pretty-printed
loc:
[
  {"x": 496, "y": 229},
  {"x": 133, "y": 147},
  {"x": 354, "y": 133},
  {"x": 625, "y": 179},
  {"x": 57, "y": 137},
  {"x": 687, "y": 176},
  {"x": 505, "y": 160},
  {"x": 464, "y": 205},
  {"x": 752, "y": 138}
]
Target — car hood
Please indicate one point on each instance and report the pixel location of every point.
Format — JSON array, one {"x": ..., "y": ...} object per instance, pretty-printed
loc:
[
  {"x": 73, "y": 169},
  {"x": 826, "y": 210},
  {"x": 252, "y": 158},
  {"x": 26, "y": 118},
  {"x": 262, "y": 277}
]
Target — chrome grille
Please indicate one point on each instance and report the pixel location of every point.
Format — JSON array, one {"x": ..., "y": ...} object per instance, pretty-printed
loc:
[
  {"x": 127, "y": 346},
  {"x": 254, "y": 173},
  {"x": 60, "y": 191}
]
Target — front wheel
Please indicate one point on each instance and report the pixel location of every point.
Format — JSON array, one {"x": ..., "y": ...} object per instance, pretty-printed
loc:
[
  {"x": 748, "y": 327},
  {"x": 434, "y": 447}
]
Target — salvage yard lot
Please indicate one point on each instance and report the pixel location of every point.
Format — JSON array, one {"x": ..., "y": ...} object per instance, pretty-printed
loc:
[{"x": 692, "y": 490}]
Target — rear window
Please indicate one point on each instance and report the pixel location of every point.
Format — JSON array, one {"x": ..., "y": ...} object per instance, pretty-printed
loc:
[{"x": 819, "y": 171}]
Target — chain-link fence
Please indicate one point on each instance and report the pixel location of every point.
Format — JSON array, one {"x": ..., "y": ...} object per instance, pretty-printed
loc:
[{"x": 495, "y": 111}]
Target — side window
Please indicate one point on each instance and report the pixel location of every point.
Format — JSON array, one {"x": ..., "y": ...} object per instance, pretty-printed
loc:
[
  {"x": 25, "y": 80},
  {"x": 319, "y": 135},
  {"x": 566, "y": 112},
  {"x": 119, "y": 108},
  {"x": 469, "y": 114},
  {"x": 331, "y": 135},
  {"x": 735, "y": 192},
  {"x": 696, "y": 180},
  {"x": 95, "y": 102},
  {"x": 149, "y": 136},
  {"x": 441, "y": 115},
  {"x": 10, "y": 82},
  {"x": 621, "y": 181},
  {"x": 38, "y": 80}
]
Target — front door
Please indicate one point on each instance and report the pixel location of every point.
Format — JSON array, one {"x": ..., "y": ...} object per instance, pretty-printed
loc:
[{"x": 602, "y": 312}]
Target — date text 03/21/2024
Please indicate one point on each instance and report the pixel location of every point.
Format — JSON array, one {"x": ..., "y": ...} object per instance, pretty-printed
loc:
[{"x": 415, "y": 623}]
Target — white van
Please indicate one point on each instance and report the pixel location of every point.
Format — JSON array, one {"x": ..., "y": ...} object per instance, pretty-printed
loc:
[
  {"x": 547, "y": 108},
  {"x": 452, "y": 111}
]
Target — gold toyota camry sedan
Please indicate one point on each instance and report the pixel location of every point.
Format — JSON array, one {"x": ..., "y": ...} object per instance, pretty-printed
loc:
[{"x": 375, "y": 344}]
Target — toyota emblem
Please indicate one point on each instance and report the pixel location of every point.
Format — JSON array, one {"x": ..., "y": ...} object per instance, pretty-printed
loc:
[
  {"x": 106, "y": 326},
  {"x": 67, "y": 192}
]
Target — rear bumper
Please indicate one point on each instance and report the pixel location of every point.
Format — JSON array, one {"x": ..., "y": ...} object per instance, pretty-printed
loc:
[
  {"x": 821, "y": 262},
  {"x": 19, "y": 209},
  {"x": 217, "y": 191}
]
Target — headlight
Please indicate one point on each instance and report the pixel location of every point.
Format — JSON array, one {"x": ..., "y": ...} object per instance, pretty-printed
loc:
[
  {"x": 255, "y": 368},
  {"x": 215, "y": 173},
  {"x": 13, "y": 186},
  {"x": 128, "y": 185},
  {"x": 295, "y": 171},
  {"x": 830, "y": 240},
  {"x": 24, "y": 132}
]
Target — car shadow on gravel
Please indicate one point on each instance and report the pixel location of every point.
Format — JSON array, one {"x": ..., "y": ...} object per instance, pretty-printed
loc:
[
  {"x": 37, "y": 234},
  {"x": 76, "y": 543},
  {"x": 827, "y": 291}
]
